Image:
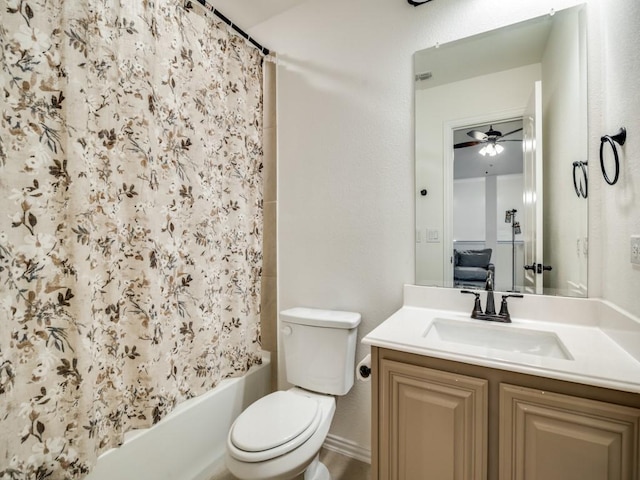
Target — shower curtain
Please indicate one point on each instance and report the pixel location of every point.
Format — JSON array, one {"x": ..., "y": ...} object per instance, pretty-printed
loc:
[{"x": 130, "y": 221}]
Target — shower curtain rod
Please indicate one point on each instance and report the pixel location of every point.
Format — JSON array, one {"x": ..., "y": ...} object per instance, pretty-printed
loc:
[{"x": 241, "y": 32}]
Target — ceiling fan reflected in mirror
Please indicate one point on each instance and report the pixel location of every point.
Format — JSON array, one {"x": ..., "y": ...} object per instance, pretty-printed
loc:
[{"x": 490, "y": 140}]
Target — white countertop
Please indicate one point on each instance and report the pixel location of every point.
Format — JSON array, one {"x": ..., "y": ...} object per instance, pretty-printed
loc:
[{"x": 596, "y": 358}]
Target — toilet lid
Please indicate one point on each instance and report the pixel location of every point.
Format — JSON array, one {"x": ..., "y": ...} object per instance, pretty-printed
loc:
[{"x": 275, "y": 420}]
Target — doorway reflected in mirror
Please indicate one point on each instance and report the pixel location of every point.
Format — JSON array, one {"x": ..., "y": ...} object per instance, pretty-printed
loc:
[{"x": 484, "y": 187}]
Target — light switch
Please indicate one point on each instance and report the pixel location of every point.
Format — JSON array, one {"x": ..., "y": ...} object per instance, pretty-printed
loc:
[
  {"x": 433, "y": 236},
  {"x": 635, "y": 249}
]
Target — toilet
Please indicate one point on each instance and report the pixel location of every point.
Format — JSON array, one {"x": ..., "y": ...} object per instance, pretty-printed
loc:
[{"x": 279, "y": 436}]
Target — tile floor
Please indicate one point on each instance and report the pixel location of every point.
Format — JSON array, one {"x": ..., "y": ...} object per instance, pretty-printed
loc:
[
  {"x": 340, "y": 467},
  {"x": 345, "y": 468}
]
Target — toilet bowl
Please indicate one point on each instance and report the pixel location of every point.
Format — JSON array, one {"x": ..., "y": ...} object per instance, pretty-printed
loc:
[{"x": 279, "y": 436}]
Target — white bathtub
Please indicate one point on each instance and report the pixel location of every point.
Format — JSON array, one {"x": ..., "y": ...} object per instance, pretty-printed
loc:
[{"x": 189, "y": 443}]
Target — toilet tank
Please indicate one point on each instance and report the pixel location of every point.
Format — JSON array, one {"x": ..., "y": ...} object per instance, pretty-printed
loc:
[{"x": 319, "y": 348}]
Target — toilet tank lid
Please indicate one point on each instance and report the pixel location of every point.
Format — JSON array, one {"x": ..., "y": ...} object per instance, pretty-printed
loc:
[{"x": 321, "y": 318}]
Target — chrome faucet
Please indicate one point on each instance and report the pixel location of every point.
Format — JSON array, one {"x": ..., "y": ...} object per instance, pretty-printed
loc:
[{"x": 490, "y": 310}]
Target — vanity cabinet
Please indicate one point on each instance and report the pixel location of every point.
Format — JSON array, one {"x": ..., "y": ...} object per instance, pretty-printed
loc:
[
  {"x": 445, "y": 420},
  {"x": 455, "y": 409}
]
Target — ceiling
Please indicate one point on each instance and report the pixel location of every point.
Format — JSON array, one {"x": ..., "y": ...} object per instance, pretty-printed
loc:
[
  {"x": 506, "y": 48},
  {"x": 248, "y": 13}
]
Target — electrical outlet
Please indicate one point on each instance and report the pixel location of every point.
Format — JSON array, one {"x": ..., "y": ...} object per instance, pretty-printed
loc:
[{"x": 635, "y": 249}]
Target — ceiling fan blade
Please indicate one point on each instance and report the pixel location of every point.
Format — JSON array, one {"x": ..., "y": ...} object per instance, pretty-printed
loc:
[
  {"x": 466, "y": 144},
  {"x": 478, "y": 135},
  {"x": 508, "y": 140},
  {"x": 514, "y": 131}
]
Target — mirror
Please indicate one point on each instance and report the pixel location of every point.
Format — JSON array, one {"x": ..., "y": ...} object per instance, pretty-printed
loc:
[{"x": 519, "y": 93}]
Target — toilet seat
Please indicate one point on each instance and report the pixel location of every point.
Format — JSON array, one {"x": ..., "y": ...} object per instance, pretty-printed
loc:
[{"x": 273, "y": 426}]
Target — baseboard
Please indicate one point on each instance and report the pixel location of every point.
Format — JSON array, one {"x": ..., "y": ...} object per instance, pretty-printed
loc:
[{"x": 347, "y": 448}]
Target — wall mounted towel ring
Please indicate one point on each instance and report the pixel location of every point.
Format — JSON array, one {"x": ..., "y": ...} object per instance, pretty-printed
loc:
[
  {"x": 618, "y": 138},
  {"x": 582, "y": 186}
]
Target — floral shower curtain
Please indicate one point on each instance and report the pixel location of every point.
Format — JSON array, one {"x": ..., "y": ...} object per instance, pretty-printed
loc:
[{"x": 130, "y": 221}]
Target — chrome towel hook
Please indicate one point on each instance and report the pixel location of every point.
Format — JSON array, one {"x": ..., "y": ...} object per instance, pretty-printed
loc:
[{"x": 618, "y": 138}]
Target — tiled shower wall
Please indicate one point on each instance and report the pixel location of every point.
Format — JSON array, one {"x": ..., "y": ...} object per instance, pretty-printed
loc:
[{"x": 269, "y": 311}]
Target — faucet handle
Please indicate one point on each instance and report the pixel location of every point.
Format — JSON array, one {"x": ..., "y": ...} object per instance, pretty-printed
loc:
[
  {"x": 504, "y": 309},
  {"x": 477, "y": 307}
]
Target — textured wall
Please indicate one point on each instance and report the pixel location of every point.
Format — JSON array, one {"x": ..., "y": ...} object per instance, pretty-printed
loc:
[
  {"x": 346, "y": 155},
  {"x": 565, "y": 140},
  {"x": 614, "y": 101}
]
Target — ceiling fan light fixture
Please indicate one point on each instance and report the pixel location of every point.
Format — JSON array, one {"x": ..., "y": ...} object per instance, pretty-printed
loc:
[{"x": 491, "y": 149}]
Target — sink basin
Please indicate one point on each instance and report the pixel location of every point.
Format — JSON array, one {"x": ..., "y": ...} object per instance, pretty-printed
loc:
[{"x": 498, "y": 337}]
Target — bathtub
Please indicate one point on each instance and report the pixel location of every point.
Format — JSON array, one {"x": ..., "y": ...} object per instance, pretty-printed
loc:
[{"x": 189, "y": 443}]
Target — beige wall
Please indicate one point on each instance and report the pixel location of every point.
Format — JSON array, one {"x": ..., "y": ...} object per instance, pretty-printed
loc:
[
  {"x": 269, "y": 307},
  {"x": 614, "y": 101},
  {"x": 565, "y": 140}
]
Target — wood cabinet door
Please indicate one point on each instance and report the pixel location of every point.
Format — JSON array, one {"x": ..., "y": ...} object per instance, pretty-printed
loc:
[
  {"x": 548, "y": 436},
  {"x": 433, "y": 424}
]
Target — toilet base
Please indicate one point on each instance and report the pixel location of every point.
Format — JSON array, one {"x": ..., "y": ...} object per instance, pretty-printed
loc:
[{"x": 317, "y": 470}]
